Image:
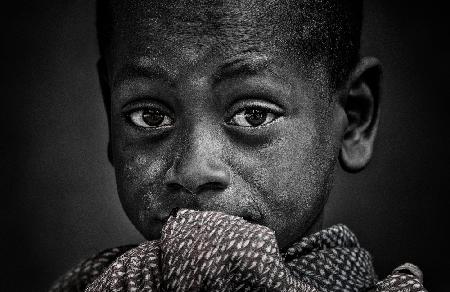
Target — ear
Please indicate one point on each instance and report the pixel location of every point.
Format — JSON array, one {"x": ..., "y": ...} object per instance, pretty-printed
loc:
[
  {"x": 361, "y": 106},
  {"x": 106, "y": 93}
]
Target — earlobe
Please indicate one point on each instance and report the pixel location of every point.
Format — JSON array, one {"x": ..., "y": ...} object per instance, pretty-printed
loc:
[
  {"x": 106, "y": 93},
  {"x": 361, "y": 106}
]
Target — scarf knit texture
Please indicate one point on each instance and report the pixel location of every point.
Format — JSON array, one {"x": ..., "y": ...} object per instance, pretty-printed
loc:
[{"x": 213, "y": 251}]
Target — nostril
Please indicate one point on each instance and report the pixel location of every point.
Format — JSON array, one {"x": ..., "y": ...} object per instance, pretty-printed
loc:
[
  {"x": 211, "y": 186},
  {"x": 173, "y": 187}
]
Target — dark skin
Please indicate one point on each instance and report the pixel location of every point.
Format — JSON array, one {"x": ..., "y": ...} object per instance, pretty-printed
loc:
[{"x": 220, "y": 121}]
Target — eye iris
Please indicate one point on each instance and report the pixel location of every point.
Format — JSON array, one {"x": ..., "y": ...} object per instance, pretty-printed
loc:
[
  {"x": 152, "y": 117},
  {"x": 255, "y": 117}
]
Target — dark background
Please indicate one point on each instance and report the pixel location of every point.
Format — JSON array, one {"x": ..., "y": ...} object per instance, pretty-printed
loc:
[{"x": 58, "y": 192}]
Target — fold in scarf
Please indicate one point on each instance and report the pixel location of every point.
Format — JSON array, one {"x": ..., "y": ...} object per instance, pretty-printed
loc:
[{"x": 212, "y": 251}]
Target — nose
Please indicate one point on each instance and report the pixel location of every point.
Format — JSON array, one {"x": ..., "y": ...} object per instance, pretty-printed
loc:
[{"x": 199, "y": 166}]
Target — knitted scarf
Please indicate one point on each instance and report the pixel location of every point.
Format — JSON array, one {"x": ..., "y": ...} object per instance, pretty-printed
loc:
[{"x": 212, "y": 251}]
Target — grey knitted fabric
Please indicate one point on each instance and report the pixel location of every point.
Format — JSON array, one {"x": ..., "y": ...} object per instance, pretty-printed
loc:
[{"x": 212, "y": 251}]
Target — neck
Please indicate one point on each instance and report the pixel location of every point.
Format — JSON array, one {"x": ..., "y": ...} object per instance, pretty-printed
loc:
[{"x": 316, "y": 226}]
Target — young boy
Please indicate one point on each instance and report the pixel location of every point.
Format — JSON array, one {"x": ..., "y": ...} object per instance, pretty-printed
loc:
[{"x": 235, "y": 113}]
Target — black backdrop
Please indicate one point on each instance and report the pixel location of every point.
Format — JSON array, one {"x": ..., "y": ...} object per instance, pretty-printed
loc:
[{"x": 58, "y": 190}]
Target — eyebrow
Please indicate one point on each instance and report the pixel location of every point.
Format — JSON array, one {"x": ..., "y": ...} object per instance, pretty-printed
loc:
[
  {"x": 234, "y": 68},
  {"x": 141, "y": 69},
  {"x": 241, "y": 67}
]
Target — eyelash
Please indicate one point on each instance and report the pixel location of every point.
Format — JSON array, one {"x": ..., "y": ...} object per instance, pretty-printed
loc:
[
  {"x": 241, "y": 118},
  {"x": 136, "y": 116},
  {"x": 250, "y": 114},
  {"x": 242, "y": 109}
]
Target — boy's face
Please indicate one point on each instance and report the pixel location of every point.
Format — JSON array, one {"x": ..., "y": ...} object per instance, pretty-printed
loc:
[{"x": 211, "y": 111}]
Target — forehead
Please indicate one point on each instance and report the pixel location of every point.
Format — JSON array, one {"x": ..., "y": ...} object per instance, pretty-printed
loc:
[
  {"x": 220, "y": 20},
  {"x": 181, "y": 34},
  {"x": 222, "y": 26}
]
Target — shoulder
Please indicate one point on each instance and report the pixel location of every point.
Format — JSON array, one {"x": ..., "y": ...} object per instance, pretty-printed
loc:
[
  {"x": 407, "y": 277},
  {"x": 79, "y": 277}
]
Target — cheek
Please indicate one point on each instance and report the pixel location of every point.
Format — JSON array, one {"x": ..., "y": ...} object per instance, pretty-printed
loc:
[
  {"x": 139, "y": 169},
  {"x": 290, "y": 176},
  {"x": 285, "y": 166},
  {"x": 139, "y": 162},
  {"x": 139, "y": 179}
]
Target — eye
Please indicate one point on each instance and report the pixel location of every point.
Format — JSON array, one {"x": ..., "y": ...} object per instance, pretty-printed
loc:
[
  {"x": 253, "y": 117},
  {"x": 150, "y": 118}
]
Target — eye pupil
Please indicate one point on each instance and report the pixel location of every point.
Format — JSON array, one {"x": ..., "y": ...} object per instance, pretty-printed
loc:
[
  {"x": 152, "y": 117},
  {"x": 255, "y": 117}
]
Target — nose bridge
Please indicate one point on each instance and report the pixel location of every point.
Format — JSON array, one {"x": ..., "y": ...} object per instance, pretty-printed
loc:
[
  {"x": 202, "y": 144},
  {"x": 199, "y": 164},
  {"x": 198, "y": 132}
]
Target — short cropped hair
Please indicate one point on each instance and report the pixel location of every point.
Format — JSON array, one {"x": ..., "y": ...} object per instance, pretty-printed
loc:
[{"x": 326, "y": 29}]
